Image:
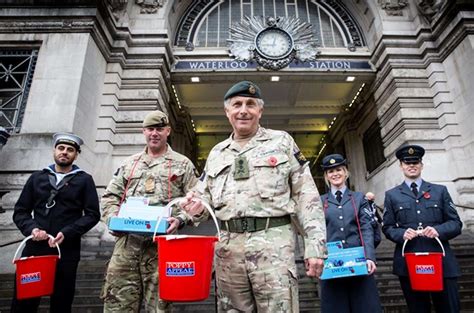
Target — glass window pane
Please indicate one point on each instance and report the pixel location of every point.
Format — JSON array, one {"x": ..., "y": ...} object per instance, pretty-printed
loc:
[
  {"x": 269, "y": 8},
  {"x": 212, "y": 30},
  {"x": 16, "y": 74},
  {"x": 224, "y": 25},
  {"x": 215, "y": 32}
]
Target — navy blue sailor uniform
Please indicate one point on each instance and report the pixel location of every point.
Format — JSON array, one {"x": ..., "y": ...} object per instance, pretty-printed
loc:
[
  {"x": 431, "y": 207},
  {"x": 357, "y": 293}
]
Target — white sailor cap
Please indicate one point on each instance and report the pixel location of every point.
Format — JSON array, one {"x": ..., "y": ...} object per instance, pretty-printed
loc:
[{"x": 69, "y": 139}]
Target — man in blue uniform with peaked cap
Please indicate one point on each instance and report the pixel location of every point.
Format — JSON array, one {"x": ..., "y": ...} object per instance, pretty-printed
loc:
[{"x": 417, "y": 211}]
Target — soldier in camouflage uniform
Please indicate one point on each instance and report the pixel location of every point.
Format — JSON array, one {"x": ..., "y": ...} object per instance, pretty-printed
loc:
[
  {"x": 160, "y": 174},
  {"x": 256, "y": 181}
]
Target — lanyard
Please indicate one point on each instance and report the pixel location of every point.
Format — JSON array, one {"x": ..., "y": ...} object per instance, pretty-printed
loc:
[
  {"x": 130, "y": 178},
  {"x": 128, "y": 183},
  {"x": 326, "y": 205}
]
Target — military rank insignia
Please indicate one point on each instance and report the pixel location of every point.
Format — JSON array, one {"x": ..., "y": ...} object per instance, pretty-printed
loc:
[{"x": 241, "y": 168}]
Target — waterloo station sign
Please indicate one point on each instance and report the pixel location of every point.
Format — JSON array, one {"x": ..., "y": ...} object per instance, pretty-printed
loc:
[{"x": 236, "y": 65}]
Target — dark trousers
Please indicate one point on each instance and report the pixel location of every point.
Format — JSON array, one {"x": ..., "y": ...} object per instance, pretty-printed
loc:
[
  {"x": 61, "y": 299},
  {"x": 357, "y": 294},
  {"x": 446, "y": 301}
]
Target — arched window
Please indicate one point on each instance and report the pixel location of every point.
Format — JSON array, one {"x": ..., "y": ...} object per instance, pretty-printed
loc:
[{"x": 207, "y": 24}]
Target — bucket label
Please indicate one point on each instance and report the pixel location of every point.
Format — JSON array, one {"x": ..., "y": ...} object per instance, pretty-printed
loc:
[
  {"x": 180, "y": 269},
  {"x": 30, "y": 278},
  {"x": 424, "y": 269}
]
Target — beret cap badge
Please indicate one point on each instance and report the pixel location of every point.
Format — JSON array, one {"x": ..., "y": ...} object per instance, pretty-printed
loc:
[
  {"x": 252, "y": 90},
  {"x": 244, "y": 88}
]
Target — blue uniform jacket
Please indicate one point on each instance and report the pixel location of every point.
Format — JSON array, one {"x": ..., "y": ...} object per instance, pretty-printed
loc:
[
  {"x": 341, "y": 224},
  {"x": 432, "y": 207}
]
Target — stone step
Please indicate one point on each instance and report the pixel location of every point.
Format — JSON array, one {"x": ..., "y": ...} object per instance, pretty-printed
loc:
[{"x": 92, "y": 267}]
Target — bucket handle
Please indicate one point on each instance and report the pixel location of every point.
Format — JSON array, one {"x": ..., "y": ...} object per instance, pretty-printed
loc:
[
  {"x": 437, "y": 239},
  {"x": 22, "y": 244},
  {"x": 176, "y": 200}
]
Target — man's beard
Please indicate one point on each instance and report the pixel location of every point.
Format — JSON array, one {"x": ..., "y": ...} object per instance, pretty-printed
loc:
[{"x": 62, "y": 163}]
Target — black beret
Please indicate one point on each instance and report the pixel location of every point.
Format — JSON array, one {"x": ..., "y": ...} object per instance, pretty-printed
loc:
[
  {"x": 332, "y": 160},
  {"x": 410, "y": 153},
  {"x": 244, "y": 89}
]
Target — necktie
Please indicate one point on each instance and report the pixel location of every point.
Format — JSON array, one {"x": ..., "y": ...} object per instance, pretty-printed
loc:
[
  {"x": 414, "y": 188},
  {"x": 338, "y": 196}
]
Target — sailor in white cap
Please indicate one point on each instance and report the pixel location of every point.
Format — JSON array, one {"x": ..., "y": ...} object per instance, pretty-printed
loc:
[
  {"x": 69, "y": 139},
  {"x": 61, "y": 201}
]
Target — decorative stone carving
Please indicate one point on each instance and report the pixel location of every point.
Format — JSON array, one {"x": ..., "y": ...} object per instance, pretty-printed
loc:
[
  {"x": 189, "y": 46},
  {"x": 117, "y": 7},
  {"x": 45, "y": 25},
  {"x": 429, "y": 8},
  {"x": 243, "y": 41},
  {"x": 149, "y": 6},
  {"x": 393, "y": 7}
]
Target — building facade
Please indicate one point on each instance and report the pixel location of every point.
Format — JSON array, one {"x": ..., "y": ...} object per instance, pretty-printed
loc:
[{"x": 362, "y": 77}]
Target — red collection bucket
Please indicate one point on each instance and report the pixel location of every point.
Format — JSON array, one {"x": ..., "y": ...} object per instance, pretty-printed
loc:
[
  {"x": 35, "y": 274},
  {"x": 425, "y": 269},
  {"x": 185, "y": 264}
]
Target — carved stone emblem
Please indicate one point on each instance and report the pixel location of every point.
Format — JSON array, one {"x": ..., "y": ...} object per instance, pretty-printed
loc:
[
  {"x": 117, "y": 7},
  {"x": 429, "y": 8},
  {"x": 393, "y": 7},
  {"x": 272, "y": 42},
  {"x": 150, "y": 6}
]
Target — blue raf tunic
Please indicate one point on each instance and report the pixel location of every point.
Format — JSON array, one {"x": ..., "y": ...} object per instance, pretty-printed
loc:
[
  {"x": 432, "y": 207},
  {"x": 350, "y": 294}
]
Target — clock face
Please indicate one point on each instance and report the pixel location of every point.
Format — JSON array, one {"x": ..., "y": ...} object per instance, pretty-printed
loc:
[{"x": 274, "y": 43}]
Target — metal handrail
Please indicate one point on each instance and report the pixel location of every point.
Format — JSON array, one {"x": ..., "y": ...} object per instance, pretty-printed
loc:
[
  {"x": 456, "y": 205},
  {"x": 464, "y": 206},
  {"x": 10, "y": 243}
]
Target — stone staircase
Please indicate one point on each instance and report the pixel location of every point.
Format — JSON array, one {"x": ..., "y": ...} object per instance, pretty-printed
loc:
[{"x": 91, "y": 272}]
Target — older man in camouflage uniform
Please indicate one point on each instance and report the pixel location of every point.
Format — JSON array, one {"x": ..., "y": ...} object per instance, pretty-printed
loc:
[
  {"x": 257, "y": 180},
  {"x": 159, "y": 174}
]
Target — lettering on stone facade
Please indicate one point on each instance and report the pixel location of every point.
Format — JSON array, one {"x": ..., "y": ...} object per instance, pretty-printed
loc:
[
  {"x": 149, "y": 6},
  {"x": 234, "y": 65},
  {"x": 393, "y": 7}
]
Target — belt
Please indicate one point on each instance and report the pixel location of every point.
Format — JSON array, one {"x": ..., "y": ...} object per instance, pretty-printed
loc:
[{"x": 251, "y": 224}]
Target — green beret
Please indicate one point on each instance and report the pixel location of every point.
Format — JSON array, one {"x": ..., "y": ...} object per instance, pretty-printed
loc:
[
  {"x": 68, "y": 139},
  {"x": 156, "y": 119},
  {"x": 244, "y": 89}
]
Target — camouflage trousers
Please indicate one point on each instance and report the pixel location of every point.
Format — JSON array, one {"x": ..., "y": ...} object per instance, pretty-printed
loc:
[
  {"x": 132, "y": 276},
  {"x": 257, "y": 271}
]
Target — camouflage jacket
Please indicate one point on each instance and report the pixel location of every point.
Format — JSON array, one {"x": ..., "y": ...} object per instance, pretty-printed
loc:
[
  {"x": 279, "y": 183},
  {"x": 159, "y": 179}
]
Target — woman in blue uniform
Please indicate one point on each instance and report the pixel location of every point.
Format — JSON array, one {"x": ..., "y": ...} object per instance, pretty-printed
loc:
[{"x": 347, "y": 222}]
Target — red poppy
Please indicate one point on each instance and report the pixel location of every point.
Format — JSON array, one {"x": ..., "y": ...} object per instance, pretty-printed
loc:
[
  {"x": 426, "y": 195},
  {"x": 173, "y": 177},
  {"x": 272, "y": 161}
]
